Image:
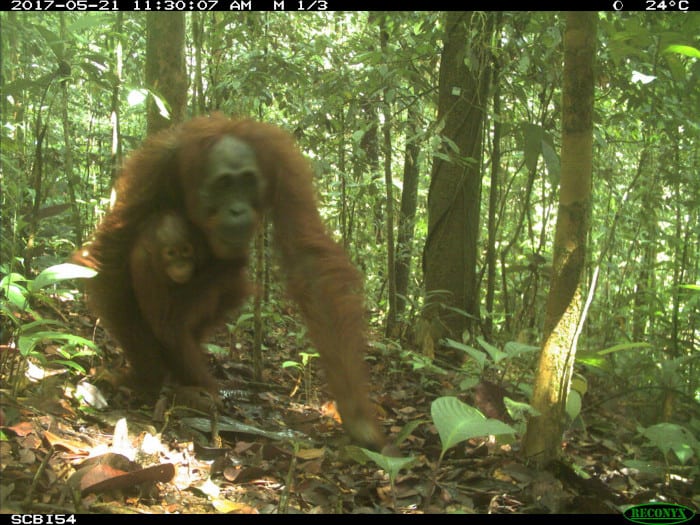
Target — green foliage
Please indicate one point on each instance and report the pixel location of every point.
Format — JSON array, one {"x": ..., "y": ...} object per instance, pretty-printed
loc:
[
  {"x": 58, "y": 273},
  {"x": 669, "y": 437},
  {"x": 16, "y": 297},
  {"x": 305, "y": 369},
  {"x": 456, "y": 422},
  {"x": 392, "y": 465},
  {"x": 511, "y": 350},
  {"x": 520, "y": 412},
  {"x": 31, "y": 336}
]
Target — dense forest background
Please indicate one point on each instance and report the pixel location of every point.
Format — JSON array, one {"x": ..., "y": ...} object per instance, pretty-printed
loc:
[{"x": 436, "y": 141}]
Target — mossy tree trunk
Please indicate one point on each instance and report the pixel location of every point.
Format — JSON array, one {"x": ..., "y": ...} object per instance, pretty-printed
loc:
[{"x": 565, "y": 303}]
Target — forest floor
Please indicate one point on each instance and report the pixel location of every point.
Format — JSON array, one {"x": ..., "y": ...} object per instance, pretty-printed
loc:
[{"x": 277, "y": 446}]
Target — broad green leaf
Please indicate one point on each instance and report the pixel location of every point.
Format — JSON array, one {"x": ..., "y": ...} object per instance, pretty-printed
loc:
[
  {"x": 12, "y": 278},
  {"x": 671, "y": 437},
  {"x": 469, "y": 382},
  {"x": 475, "y": 354},
  {"x": 17, "y": 295},
  {"x": 456, "y": 422},
  {"x": 573, "y": 404},
  {"x": 60, "y": 272}
]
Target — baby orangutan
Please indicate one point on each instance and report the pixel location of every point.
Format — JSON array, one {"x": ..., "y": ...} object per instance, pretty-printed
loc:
[{"x": 166, "y": 245}]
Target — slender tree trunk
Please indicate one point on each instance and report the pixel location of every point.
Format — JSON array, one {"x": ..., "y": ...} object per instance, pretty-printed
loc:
[
  {"x": 389, "y": 189},
  {"x": 71, "y": 179},
  {"x": 116, "y": 150},
  {"x": 493, "y": 193},
  {"x": 37, "y": 185},
  {"x": 407, "y": 216},
  {"x": 198, "y": 44},
  {"x": 258, "y": 327},
  {"x": 563, "y": 314}
]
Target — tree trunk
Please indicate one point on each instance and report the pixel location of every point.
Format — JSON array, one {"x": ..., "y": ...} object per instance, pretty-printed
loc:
[
  {"x": 389, "y": 189},
  {"x": 198, "y": 21},
  {"x": 71, "y": 179},
  {"x": 454, "y": 197},
  {"x": 493, "y": 193},
  {"x": 407, "y": 216},
  {"x": 166, "y": 74},
  {"x": 563, "y": 312},
  {"x": 115, "y": 108}
]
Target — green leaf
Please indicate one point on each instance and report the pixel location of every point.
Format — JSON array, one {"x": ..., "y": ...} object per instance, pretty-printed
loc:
[
  {"x": 391, "y": 465},
  {"x": 573, "y": 404},
  {"x": 594, "y": 360},
  {"x": 469, "y": 382},
  {"x": 645, "y": 467},
  {"x": 475, "y": 354},
  {"x": 688, "y": 51},
  {"x": 28, "y": 341},
  {"x": 519, "y": 410},
  {"x": 495, "y": 353},
  {"x": 40, "y": 324},
  {"x": 671, "y": 437},
  {"x": 551, "y": 160},
  {"x": 456, "y": 422},
  {"x": 243, "y": 318},
  {"x": 12, "y": 278},
  {"x": 407, "y": 430},
  {"x": 514, "y": 348},
  {"x": 60, "y": 272},
  {"x": 17, "y": 295},
  {"x": 216, "y": 349},
  {"x": 70, "y": 364},
  {"x": 533, "y": 144},
  {"x": 623, "y": 346}
]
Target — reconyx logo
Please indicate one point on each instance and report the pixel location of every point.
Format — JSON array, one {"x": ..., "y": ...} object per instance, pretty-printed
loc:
[{"x": 655, "y": 513}]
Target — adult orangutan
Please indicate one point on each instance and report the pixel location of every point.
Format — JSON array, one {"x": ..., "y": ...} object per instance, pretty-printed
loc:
[{"x": 221, "y": 175}]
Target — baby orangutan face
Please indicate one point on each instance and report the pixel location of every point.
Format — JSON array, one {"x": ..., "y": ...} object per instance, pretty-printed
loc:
[{"x": 173, "y": 249}]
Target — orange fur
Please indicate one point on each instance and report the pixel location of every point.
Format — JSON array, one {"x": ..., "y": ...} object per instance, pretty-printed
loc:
[{"x": 165, "y": 174}]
